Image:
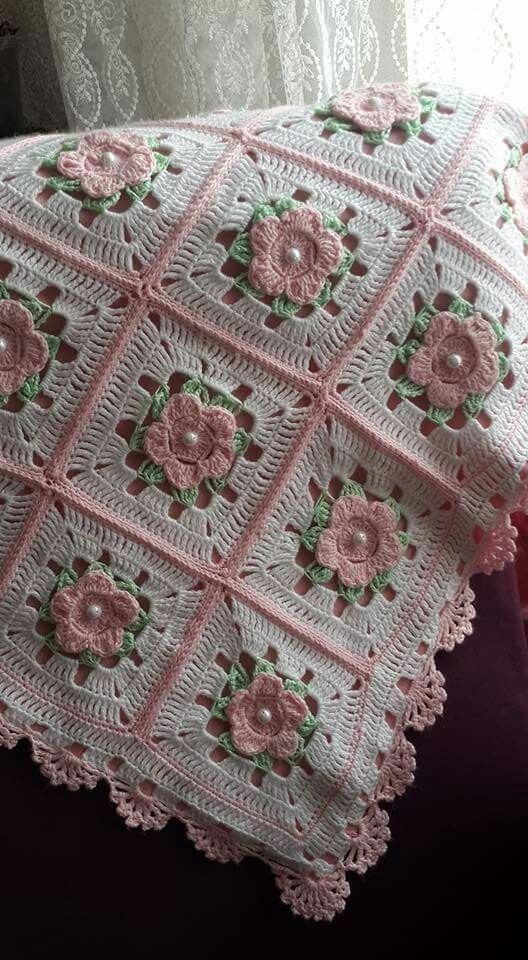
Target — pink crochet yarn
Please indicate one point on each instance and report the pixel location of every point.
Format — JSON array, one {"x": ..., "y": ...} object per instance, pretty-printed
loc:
[
  {"x": 191, "y": 441},
  {"x": 105, "y": 162},
  {"x": 360, "y": 540},
  {"x": 266, "y": 717},
  {"x": 458, "y": 357},
  {"x": 294, "y": 254},
  {"x": 92, "y": 615},
  {"x": 377, "y": 107},
  {"x": 23, "y": 351},
  {"x": 263, "y": 411}
]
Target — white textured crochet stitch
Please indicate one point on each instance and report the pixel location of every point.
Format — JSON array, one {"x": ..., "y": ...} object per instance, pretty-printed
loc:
[{"x": 263, "y": 411}]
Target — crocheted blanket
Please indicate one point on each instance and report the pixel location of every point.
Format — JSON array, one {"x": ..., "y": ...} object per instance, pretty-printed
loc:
[{"x": 263, "y": 390}]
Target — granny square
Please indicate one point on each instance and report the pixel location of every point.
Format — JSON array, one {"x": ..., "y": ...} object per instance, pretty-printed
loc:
[{"x": 263, "y": 412}]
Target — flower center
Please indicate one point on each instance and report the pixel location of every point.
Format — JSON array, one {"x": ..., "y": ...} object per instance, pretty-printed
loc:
[
  {"x": 264, "y": 715},
  {"x": 94, "y": 611},
  {"x": 190, "y": 438},
  {"x": 108, "y": 159},
  {"x": 357, "y": 543},
  {"x": 294, "y": 255},
  {"x": 455, "y": 359},
  {"x": 372, "y": 103},
  {"x": 3, "y": 344}
]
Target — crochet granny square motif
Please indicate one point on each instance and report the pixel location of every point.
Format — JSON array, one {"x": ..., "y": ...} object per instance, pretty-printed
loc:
[{"x": 263, "y": 411}]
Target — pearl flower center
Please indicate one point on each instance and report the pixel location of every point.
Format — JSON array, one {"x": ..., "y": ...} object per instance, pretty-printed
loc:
[
  {"x": 293, "y": 255},
  {"x": 94, "y": 611},
  {"x": 264, "y": 715},
  {"x": 190, "y": 438},
  {"x": 359, "y": 538},
  {"x": 3, "y": 344},
  {"x": 373, "y": 103},
  {"x": 454, "y": 361},
  {"x": 108, "y": 159}
]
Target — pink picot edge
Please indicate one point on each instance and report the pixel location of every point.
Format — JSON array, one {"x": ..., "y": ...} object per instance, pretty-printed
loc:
[{"x": 308, "y": 896}]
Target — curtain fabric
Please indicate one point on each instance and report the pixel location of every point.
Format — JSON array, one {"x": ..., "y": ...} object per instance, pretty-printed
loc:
[{"x": 108, "y": 62}]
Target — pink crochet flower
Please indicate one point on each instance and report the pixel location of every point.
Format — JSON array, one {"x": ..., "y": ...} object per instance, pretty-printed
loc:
[
  {"x": 294, "y": 254},
  {"x": 516, "y": 190},
  {"x": 108, "y": 162},
  {"x": 265, "y": 716},
  {"x": 457, "y": 357},
  {"x": 92, "y": 614},
  {"x": 23, "y": 351},
  {"x": 377, "y": 107},
  {"x": 360, "y": 540},
  {"x": 191, "y": 441}
]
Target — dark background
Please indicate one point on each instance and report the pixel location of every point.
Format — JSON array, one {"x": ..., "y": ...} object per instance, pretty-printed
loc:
[{"x": 453, "y": 883}]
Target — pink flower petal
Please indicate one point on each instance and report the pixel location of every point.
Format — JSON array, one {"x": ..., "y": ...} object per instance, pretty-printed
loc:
[
  {"x": 420, "y": 366},
  {"x": 139, "y": 167},
  {"x": 266, "y": 685},
  {"x": 218, "y": 463},
  {"x": 247, "y": 740},
  {"x": 125, "y": 607},
  {"x": 326, "y": 550},
  {"x": 265, "y": 234},
  {"x": 304, "y": 288},
  {"x": 354, "y": 573},
  {"x": 387, "y": 554},
  {"x": 220, "y": 423},
  {"x": 36, "y": 354},
  {"x": 183, "y": 475},
  {"x": 294, "y": 708},
  {"x": 283, "y": 744},
  {"x": 265, "y": 276},
  {"x": 183, "y": 411},
  {"x": 71, "y": 164},
  {"x": 329, "y": 252},
  {"x": 304, "y": 220},
  {"x": 107, "y": 642},
  {"x": 445, "y": 395},
  {"x": 98, "y": 184},
  {"x": 157, "y": 442},
  {"x": 485, "y": 375},
  {"x": 383, "y": 517}
]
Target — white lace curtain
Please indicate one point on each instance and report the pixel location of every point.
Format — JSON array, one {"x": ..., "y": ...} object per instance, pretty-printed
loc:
[{"x": 89, "y": 63}]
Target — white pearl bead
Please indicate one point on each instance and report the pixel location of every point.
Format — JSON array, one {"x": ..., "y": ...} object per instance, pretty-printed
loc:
[
  {"x": 3, "y": 344},
  {"x": 359, "y": 538},
  {"x": 190, "y": 438},
  {"x": 264, "y": 715},
  {"x": 108, "y": 158},
  {"x": 454, "y": 360},
  {"x": 94, "y": 611},
  {"x": 373, "y": 103},
  {"x": 294, "y": 255}
]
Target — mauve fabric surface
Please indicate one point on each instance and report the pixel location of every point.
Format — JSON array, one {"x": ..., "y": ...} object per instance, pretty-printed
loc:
[{"x": 452, "y": 883}]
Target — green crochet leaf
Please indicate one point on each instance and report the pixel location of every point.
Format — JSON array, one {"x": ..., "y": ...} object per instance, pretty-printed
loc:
[
  {"x": 406, "y": 388},
  {"x": 50, "y": 642},
  {"x": 128, "y": 644},
  {"x": 461, "y": 307},
  {"x": 151, "y": 473},
  {"x": 351, "y": 594},
  {"x": 128, "y": 586},
  {"x": 217, "y": 484},
  {"x": 394, "y": 506},
  {"x": 4, "y": 295},
  {"x": 411, "y": 127},
  {"x": 440, "y": 415},
  {"x": 346, "y": 263},
  {"x": 404, "y": 538},
  {"x": 263, "y": 761},
  {"x": 298, "y": 755},
  {"x": 88, "y": 659},
  {"x": 39, "y": 311},
  {"x": 137, "y": 439},
  {"x": 159, "y": 401},
  {"x": 140, "y": 622},
  {"x": 427, "y": 104},
  {"x": 515, "y": 157},
  {"x": 296, "y": 686},
  {"x": 218, "y": 708},
  {"x": 195, "y": 387},
  {"x": 63, "y": 183},
  {"x": 54, "y": 343},
  {"x": 406, "y": 351},
  {"x": 241, "y": 440},
  {"x": 237, "y": 678},
  {"x": 498, "y": 329},
  {"x": 308, "y": 726},
  {"x": 376, "y": 136},
  {"x": 3, "y": 400},
  {"x": 473, "y": 404},
  {"x": 422, "y": 319},
  {"x": 226, "y": 742},
  {"x": 29, "y": 389},
  {"x": 66, "y": 578},
  {"x": 228, "y": 403},
  {"x": 283, "y": 307},
  {"x": 100, "y": 204},
  {"x": 318, "y": 574},
  {"x": 334, "y": 126},
  {"x": 380, "y": 581},
  {"x": 322, "y": 109},
  {"x": 283, "y": 204},
  {"x": 45, "y": 612},
  {"x": 352, "y": 488},
  {"x": 101, "y": 567},
  {"x": 504, "y": 365},
  {"x": 331, "y": 222},
  {"x": 187, "y": 497},
  {"x": 310, "y": 537},
  {"x": 263, "y": 210},
  {"x": 321, "y": 512},
  {"x": 326, "y": 292},
  {"x": 242, "y": 283},
  {"x": 162, "y": 162},
  {"x": 139, "y": 191},
  {"x": 263, "y": 666},
  {"x": 241, "y": 250}
]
